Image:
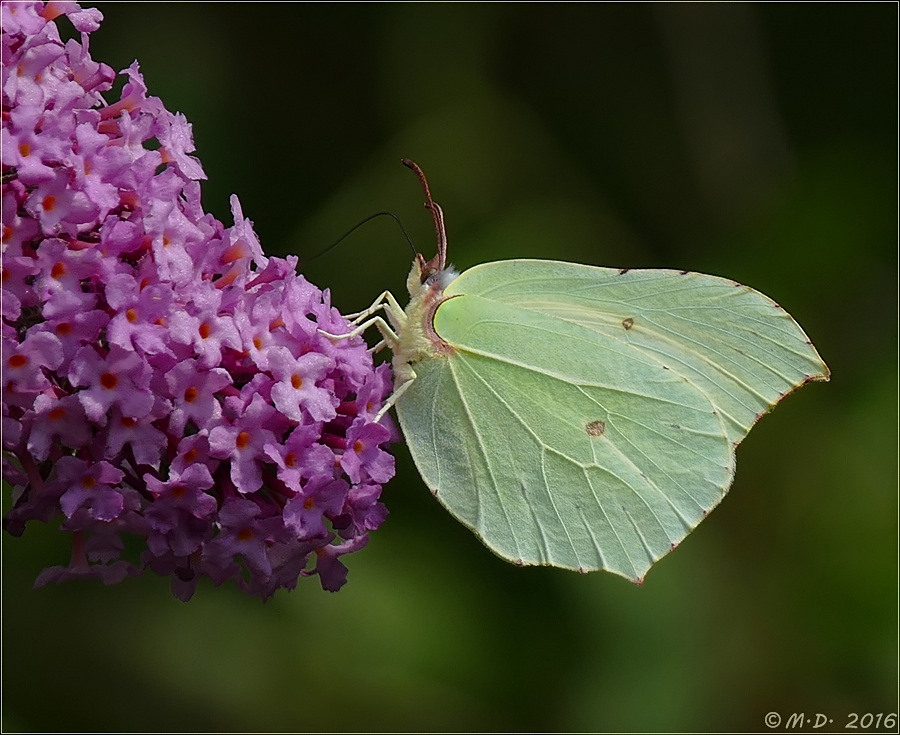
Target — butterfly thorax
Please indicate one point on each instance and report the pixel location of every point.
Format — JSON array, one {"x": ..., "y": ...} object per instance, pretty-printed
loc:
[{"x": 417, "y": 338}]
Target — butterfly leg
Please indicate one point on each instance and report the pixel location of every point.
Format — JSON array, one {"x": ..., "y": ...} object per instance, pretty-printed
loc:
[
  {"x": 385, "y": 301},
  {"x": 364, "y": 319},
  {"x": 357, "y": 316},
  {"x": 392, "y": 399},
  {"x": 390, "y": 336}
]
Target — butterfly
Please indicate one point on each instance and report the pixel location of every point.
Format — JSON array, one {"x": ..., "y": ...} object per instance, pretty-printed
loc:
[{"x": 577, "y": 416}]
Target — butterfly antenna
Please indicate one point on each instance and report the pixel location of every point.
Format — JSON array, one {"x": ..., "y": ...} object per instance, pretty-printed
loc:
[
  {"x": 360, "y": 224},
  {"x": 439, "y": 261}
]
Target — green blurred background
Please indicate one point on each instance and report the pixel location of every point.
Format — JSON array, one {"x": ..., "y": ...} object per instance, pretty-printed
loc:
[{"x": 757, "y": 142}]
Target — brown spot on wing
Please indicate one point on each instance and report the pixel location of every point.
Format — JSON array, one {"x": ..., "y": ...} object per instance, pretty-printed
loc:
[
  {"x": 628, "y": 323},
  {"x": 595, "y": 428}
]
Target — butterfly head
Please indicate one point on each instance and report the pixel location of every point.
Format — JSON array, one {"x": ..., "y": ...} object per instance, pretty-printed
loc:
[{"x": 424, "y": 277}]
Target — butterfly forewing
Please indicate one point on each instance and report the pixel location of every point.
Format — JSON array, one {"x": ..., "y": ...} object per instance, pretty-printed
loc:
[{"x": 736, "y": 345}]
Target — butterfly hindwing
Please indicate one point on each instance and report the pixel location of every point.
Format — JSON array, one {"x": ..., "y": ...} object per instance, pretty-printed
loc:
[{"x": 559, "y": 445}]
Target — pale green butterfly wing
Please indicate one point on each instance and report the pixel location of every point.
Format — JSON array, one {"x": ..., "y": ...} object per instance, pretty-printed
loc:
[
  {"x": 551, "y": 459},
  {"x": 586, "y": 417},
  {"x": 735, "y": 344}
]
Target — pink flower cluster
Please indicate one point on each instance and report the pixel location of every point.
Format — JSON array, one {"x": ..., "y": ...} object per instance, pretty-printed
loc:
[{"x": 163, "y": 380}]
